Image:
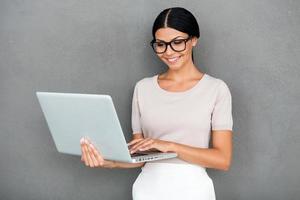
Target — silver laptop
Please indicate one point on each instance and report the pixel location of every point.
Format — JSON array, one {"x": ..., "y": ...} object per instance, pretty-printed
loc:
[{"x": 71, "y": 116}]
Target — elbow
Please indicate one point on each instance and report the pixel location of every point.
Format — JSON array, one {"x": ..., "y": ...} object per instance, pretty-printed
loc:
[
  {"x": 226, "y": 162},
  {"x": 226, "y": 165}
]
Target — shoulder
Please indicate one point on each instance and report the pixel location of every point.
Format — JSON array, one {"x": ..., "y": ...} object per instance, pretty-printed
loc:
[
  {"x": 145, "y": 82},
  {"x": 215, "y": 81},
  {"x": 218, "y": 85}
]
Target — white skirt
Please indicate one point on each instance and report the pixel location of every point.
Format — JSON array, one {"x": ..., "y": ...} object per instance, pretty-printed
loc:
[{"x": 160, "y": 181}]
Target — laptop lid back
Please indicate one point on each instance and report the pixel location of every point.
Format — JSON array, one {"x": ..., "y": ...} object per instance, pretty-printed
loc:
[{"x": 71, "y": 116}]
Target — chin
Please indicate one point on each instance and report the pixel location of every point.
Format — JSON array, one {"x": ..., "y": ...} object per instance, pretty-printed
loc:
[{"x": 175, "y": 67}]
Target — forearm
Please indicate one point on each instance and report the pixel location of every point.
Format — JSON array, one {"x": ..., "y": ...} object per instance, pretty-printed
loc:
[
  {"x": 127, "y": 165},
  {"x": 206, "y": 157}
]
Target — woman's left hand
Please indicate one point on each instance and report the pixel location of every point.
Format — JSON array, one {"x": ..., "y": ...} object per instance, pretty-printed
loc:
[{"x": 149, "y": 143}]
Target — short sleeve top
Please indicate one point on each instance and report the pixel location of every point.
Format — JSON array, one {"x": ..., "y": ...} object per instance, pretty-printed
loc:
[{"x": 185, "y": 117}]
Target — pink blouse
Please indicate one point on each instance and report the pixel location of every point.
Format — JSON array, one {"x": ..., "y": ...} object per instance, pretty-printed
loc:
[{"x": 183, "y": 117}]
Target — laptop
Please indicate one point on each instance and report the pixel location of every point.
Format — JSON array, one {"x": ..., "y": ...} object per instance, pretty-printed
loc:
[{"x": 70, "y": 116}]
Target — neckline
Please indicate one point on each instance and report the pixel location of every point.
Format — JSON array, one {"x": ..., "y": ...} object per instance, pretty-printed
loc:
[{"x": 155, "y": 80}]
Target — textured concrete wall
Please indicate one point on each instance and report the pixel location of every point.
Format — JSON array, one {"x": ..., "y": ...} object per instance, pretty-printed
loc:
[{"x": 103, "y": 47}]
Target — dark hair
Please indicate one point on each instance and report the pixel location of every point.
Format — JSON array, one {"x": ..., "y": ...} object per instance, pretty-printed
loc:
[{"x": 177, "y": 18}]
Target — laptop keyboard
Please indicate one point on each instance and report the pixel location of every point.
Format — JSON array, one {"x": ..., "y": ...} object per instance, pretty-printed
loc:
[{"x": 144, "y": 157}]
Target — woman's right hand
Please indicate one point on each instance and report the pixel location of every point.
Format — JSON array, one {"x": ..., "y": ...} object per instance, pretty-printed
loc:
[{"x": 92, "y": 157}]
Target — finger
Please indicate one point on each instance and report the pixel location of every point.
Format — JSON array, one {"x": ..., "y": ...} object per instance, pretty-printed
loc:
[
  {"x": 134, "y": 141},
  {"x": 141, "y": 143},
  {"x": 95, "y": 162},
  {"x": 97, "y": 155},
  {"x": 81, "y": 142},
  {"x": 81, "y": 158},
  {"x": 84, "y": 153},
  {"x": 87, "y": 140},
  {"x": 146, "y": 145},
  {"x": 85, "y": 157},
  {"x": 135, "y": 146},
  {"x": 81, "y": 148},
  {"x": 89, "y": 159}
]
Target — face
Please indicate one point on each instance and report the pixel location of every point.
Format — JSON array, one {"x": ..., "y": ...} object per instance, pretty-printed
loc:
[{"x": 175, "y": 60}]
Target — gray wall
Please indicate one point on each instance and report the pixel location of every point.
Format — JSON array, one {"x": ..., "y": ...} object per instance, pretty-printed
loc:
[{"x": 102, "y": 47}]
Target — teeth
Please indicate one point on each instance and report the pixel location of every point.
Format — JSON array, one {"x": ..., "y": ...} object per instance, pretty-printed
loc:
[{"x": 173, "y": 59}]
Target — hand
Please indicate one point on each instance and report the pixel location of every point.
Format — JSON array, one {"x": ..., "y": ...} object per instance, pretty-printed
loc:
[
  {"x": 92, "y": 157},
  {"x": 145, "y": 144}
]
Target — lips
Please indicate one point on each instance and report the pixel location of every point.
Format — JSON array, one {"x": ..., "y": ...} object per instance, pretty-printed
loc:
[{"x": 173, "y": 59}]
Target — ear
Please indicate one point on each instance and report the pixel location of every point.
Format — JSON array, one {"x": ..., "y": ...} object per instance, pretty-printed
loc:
[{"x": 194, "y": 41}]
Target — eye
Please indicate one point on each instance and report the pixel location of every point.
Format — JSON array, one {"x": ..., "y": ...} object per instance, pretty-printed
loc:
[
  {"x": 177, "y": 42},
  {"x": 160, "y": 44}
]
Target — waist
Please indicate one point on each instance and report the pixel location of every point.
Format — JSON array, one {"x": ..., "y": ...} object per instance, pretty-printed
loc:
[{"x": 174, "y": 168}]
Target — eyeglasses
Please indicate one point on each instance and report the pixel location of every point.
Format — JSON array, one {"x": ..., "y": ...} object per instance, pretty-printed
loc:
[{"x": 177, "y": 45}]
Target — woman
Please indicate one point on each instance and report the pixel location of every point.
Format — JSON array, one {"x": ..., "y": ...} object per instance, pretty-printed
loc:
[{"x": 177, "y": 111}]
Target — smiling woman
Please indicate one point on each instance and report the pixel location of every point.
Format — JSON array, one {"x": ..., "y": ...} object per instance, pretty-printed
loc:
[{"x": 177, "y": 111}]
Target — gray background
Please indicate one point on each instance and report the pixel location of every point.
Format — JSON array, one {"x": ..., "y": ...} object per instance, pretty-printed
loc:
[{"x": 102, "y": 47}]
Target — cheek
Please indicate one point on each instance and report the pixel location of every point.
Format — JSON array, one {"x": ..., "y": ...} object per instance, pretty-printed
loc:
[
  {"x": 189, "y": 49},
  {"x": 187, "y": 53}
]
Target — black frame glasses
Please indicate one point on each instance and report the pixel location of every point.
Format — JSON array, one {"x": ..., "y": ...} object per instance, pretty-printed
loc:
[{"x": 153, "y": 44}]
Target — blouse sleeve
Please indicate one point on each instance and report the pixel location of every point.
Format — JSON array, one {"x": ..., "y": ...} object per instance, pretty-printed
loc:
[
  {"x": 135, "y": 115},
  {"x": 222, "y": 112}
]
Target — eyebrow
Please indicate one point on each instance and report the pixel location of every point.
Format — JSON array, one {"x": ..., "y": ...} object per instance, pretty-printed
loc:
[{"x": 170, "y": 40}]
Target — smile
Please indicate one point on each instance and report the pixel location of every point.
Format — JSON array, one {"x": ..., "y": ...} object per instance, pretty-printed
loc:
[{"x": 173, "y": 60}]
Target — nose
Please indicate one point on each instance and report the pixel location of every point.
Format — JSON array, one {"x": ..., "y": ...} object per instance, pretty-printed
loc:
[{"x": 169, "y": 50}]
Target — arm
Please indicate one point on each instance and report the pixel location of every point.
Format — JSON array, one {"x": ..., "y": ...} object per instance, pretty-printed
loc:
[
  {"x": 92, "y": 157},
  {"x": 128, "y": 165},
  {"x": 218, "y": 157}
]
